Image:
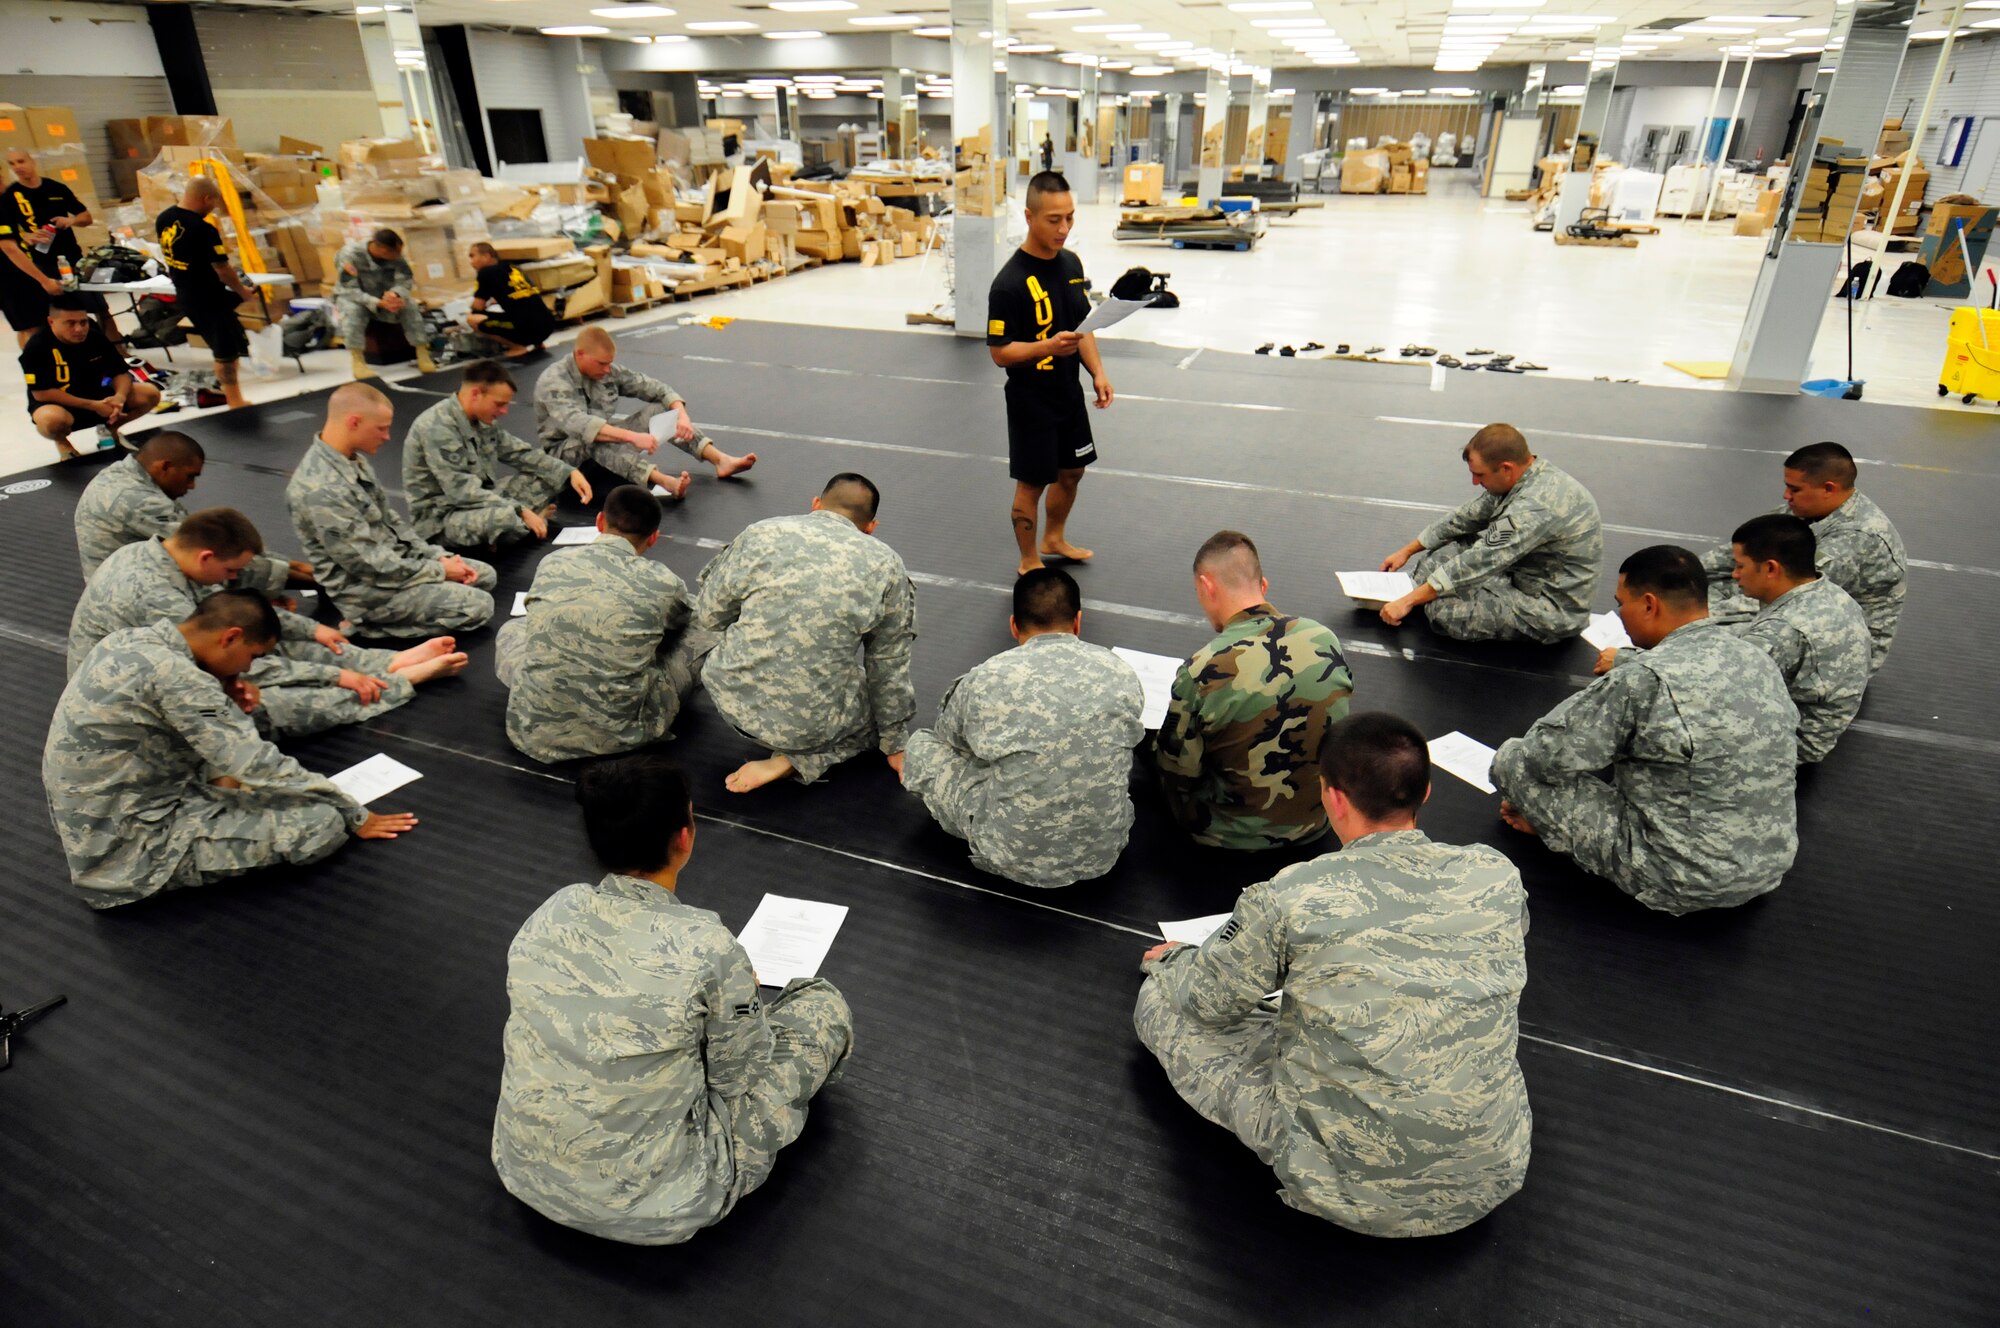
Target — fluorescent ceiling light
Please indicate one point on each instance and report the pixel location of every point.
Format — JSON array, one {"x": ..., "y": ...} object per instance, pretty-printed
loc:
[
  {"x": 1078, "y": 58},
  {"x": 933, "y": 31},
  {"x": 1756, "y": 18},
  {"x": 1709, "y": 30},
  {"x": 1988, "y": 23},
  {"x": 1774, "y": 41},
  {"x": 1663, "y": 37},
  {"x": 1289, "y": 23},
  {"x": 368, "y": 9},
  {"x": 634, "y": 11},
  {"x": 1270, "y": 6},
  {"x": 1451, "y": 92},
  {"x": 723, "y": 25},
  {"x": 1067, "y": 13},
  {"x": 803, "y": 34},
  {"x": 1811, "y": 50},
  {"x": 812, "y": 6},
  {"x": 575, "y": 30},
  {"x": 1034, "y": 48},
  {"x": 1935, "y": 34},
  {"x": 1496, "y": 4},
  {"x": 1543, "y": 20},
  {"x": 818, "y": 78},
  {"x": 1114, "y": 64},
  {"x": 1151, "y": 71},
  {"x": 886, "y": 21},
  {"x": 1821, "y": 32},
  {"x": 1146, "y": 39},
  {"x": 1108, "y": 27}
]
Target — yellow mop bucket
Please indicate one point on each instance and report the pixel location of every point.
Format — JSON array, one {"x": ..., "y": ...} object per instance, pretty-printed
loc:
[{"x": 1972, "y": 356}]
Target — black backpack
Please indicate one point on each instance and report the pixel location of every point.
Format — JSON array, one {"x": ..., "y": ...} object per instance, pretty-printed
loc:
[
  {"x": 1138, "y": 282},
  {"x": 1857, "y": 278},
  {"x": 1910, "y": 280}
]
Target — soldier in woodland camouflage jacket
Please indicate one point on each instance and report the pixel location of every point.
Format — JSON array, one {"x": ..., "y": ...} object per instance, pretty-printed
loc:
[
  {"x": 1031, "y": 759},
  {"x": 1383, "y": 1088},
  {"x": 604, "y": 658},
  {"x": 1517, "y": 563},
  {"x": 816, "y": 621},
  {"x": 449, "y": 477},
  {"x": 647, "y": 1086},
  {"x": 380, "y": 573},
  {"x": 1699, "y": 737},
  {"x": 139, "y": 497},
  {"x": 138, "y": 740},
  {"x": 1238, "y": 749},
  {"x": 1858, "y": 548}
]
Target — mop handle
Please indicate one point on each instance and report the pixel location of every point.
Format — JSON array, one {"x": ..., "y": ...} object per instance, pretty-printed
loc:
[{"x": 1966, "y": 249}]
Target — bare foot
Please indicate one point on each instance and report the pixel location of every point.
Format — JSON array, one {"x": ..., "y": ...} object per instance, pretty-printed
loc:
[
  {"x": 548, "y": 510},
  {"x": 517, "y": 352},
  {"x": 429, "y": 650},
  {"x": 64, "y": 452},
  {"x": 1062, "y": 548},
  {"x": 1028, "y": 565},
  {"x": 1511, "y": 815},
  {"x": 727, "y": 465},
  {"x": 675, "y": 488},
  {"x": 235, "y": 402},
  {"x": 756, "y": 774},
  {"x": 444, "y": 666}
]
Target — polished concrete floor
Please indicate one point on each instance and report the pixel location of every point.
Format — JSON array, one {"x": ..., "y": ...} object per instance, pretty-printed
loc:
[{"x": 1448, "y": 270}]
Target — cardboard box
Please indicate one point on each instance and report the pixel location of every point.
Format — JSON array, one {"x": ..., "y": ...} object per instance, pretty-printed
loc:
[
  {"x": 525, "y": 249},
  {"x": 559, "y": 273},
  {"x": 1399, "y": 177},
  {"x": 53, "y": 127},
  {"x": 744, "y": 242},
  {"x": 575, "y": 301},
  {"x": 628, "y": 158},
  {"x": 1420, "y": 176},
  {"x": 781, "y": 218},
  {"x": 129, "y": 141},
  {"x": 14, "y": 131},
  {"x": 1144, "y": 182},
  {"x": 1365, "y": 172},
  {"x": 1977, "y": 219}
]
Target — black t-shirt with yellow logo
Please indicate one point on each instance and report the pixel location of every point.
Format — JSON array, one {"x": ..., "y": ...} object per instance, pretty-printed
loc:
[
  {"x": 517, "y": 296},
  {"x": 24, "y": 211},
  {"x": 193, "y": 247},
  {"x": 89, "y": 369},
  {"x": 1032, "y": 299}
]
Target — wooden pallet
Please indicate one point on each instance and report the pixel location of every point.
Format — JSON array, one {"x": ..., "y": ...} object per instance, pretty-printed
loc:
[
  {"x": 1609, "y": 242},
  {"x": 1630, "y": 227},
  {"x": 727, "y": 281}
]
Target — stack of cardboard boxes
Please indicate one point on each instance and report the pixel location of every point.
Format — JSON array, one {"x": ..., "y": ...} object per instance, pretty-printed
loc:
[
  {"x": 1145, "y": 181},
  {"x": 1364, "y": 172},
  {"x": 1830, "y": 197},
  {"x": 1408, "y": 173},
  {"x": 980, "y": 187},
  {"x": 50, "y": 134},
  {"x": 1890, "y": 169},
  {"x": 440, "y": 215}
]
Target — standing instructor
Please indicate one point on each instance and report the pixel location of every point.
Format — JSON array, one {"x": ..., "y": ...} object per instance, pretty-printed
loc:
[{"x": 1032, "y": 313}]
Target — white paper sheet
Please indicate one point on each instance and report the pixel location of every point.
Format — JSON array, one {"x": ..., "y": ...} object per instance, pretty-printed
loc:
[
  {"x": 660, "y": 491},
  {"x": 1156, "y": 680},
  {"x": 1111, "y": 313},
  {"x": 520, "y": 609},
  {"x": 1193, "y": 931},
  {"x": 1607, "y": 632},
  {"x": 1375, "y": 587},
  {"x": 789, "y": 938},
  {"x": 576, "y": 535},
  {"x": 1468, "y": 758},
  {"x": 377, "y": 775},
  {"x": 665, "y": 425}
]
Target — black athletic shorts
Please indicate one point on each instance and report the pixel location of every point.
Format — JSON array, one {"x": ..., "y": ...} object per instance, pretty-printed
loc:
[
  {"x": 1047, "y": 432},
  {"x": 529, "y": 331},
  {"x": 27, "y": 305},
  {"x": 218, "y": 325}
]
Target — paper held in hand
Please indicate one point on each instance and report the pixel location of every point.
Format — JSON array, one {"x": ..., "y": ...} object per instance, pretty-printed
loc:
[
  {"x": 1468, "y": 758},
  {"x": 1607, "y": 632},
  {"x": 665, "y": 426},
  {"x": 789, "y": 938},
  {"x": 1111, "y": 313},
  {"x": 1193, "y": 931},
  {"x": 377, "y": 775},
  {"x": 1156, "y": 682},
  {"x": 1374, "y": 589},
  {"x": 576, "y": 535},
  {"x": 520, "y": 609}
]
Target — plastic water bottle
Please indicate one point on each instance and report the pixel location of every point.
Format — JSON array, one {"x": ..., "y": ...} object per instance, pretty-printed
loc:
[{"x": 65, "y": 273}]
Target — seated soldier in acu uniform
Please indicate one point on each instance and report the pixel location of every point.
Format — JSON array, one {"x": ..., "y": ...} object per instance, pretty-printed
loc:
[{"x": 647, "y": 1086}]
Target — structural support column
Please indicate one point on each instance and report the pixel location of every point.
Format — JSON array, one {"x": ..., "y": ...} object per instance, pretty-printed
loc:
[
  {"x": 1795, "y": 281},
  {"x": 1170, "y": 143},
  {"x": 979, "y": 92},
  {"x": 1215, "y": 118},
  {"x": 898, "y": 86},
  {"x": 1254, "y": 148},
  {"x": 1520, "y": 128},
  {"x": 1084, "y": 174},
  {"x": 1574, "y": 194}
]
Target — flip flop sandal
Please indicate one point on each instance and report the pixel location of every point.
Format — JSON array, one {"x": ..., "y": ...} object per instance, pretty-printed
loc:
[
  {"x": 1312, "y": 345},
  {"x": 1525, "y": 367},
  {"x": 1450, "y": 361},
  {"x": 1266, "y": 348},
  {"x": 1288, "y": 352}
]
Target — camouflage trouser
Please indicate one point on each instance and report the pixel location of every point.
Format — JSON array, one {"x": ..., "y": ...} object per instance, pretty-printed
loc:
[
  {"x": 300, "y": 701},
  {"x": 428, "y": 609},
  {"x": 1581, "y": 815},
  {"x": 353, "y": 317},
  {"x": 497, "y": 521},
  {"x": 625, "y": 461},
  {"x": 267, "y": 574},
  {"x": 228, "y": 832},
  {"x": 549, "y": 737},
  {"x": 951, "y": 784},
  {"x": 812, "y": 1033},
  {"x": 1494, "y": 609},
  {"x": 1223, "y": 1073}
]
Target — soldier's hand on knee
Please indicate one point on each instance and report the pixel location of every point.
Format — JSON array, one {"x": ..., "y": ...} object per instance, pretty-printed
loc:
[
  {"x": 385, "y": 825},
  {"x": 330, "y": 637},
  {"x": 532, "y": 519},
  {"x": 368, "y": 689}
]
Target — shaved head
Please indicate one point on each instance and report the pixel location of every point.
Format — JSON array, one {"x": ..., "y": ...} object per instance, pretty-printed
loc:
[
  {"x": 594, "y": 340},
  {"x": 1231, "y": 559},
  {"x": 202, "y": 190},
  {"x": 169, "y": 446},
  {"x": 1497, "y": 443},
  {"x": 351, "y": 399}
]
